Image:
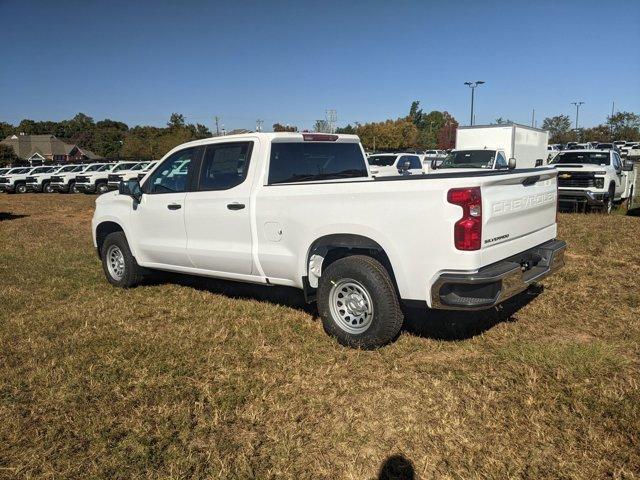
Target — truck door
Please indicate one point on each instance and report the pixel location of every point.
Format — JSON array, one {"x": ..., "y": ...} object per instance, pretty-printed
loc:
[
  {"x": 158, "y": 220},
  {"x": 218, "y": 210},
  {"x": 621, "y": 178}
]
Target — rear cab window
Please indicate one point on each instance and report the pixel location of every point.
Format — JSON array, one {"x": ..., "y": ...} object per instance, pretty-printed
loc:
[{"x": 292, "y": 162}]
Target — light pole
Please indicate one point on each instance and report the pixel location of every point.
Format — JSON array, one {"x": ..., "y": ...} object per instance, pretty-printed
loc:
[
  {"x": 473, "y": 86},
  {"x": 577, "y": 104}
]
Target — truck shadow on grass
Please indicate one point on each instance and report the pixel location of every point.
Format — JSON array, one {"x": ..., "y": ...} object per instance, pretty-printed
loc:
[
  {"x": 6, "y": 216},
  {"x": 422, "y": 322}
]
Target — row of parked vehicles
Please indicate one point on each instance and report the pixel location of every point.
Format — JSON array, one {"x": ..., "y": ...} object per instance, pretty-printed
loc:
[
  {"x": 623, "y": 147},
  {"x": 88, "y": 178}
]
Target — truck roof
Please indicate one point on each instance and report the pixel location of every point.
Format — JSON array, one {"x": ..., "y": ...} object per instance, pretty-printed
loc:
[{"x": 276, "y": 136}]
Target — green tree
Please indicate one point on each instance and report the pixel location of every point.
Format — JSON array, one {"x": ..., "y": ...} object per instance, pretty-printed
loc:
[
  {"x": 6, "y": 129},
  {"x": 502, "y": 121},
  {"x": 347, "y": 130},
  {"x": 624, "y": 126},
  {"x": 7, "y": 155},
  {"x": 559, "y": 128},
  {"x": 278, "y": 127},
  {"x": 176, "y": 120}
]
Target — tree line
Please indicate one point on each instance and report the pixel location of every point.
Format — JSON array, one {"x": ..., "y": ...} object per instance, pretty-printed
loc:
[
  {"x": 619, "y": 126},
  {"x": 113, "y": 139}
]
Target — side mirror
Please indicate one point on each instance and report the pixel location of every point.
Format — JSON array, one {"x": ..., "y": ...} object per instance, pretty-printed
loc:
[
  {"x": 539, "y": 162},
  {"x": 131, "y": 188},
  {"x": 434, "y": 164},
  {"x": 404, "y": 166},
  {"x": 512, "y": 163}
]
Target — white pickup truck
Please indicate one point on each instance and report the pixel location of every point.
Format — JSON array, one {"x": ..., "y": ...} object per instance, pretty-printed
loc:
[
  {"x": 303, "y": 210},
  {"x": 593, "y": 179},
  {"x": 15, "y": 180},
  {"x": 114, "y": 179},
  {"x": 390, "y": 164}
]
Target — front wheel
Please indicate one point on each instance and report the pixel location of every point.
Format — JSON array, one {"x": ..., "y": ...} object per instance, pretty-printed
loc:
[
  {"x": 101, "y": 188},
  {"x": 46, "y": 188},
  {"x": 119, "y": 265},
  {"x": 358, "y": 303},
  {"x": 72, "y": 187},
  {"x": 21, "y": 188}
]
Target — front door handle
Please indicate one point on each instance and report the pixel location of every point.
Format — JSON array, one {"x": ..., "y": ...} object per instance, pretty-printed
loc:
[
  {"x": 174, "y": 206},
  {"x": 235, "y": 206}
]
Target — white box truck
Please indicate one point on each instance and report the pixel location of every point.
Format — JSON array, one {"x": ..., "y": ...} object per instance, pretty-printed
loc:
[{"x": 527, "y": 145}]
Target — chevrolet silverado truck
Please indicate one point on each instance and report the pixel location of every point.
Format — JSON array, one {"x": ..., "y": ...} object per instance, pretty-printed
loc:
[
  {"x": 302, "y": 210},
  {"x": 98, "y": 181},
  {"x": 15, "y": 180},
  {"x": 64, "y": 181},
  {"x": 593, "y": 179},
  {"x": 386, "y": 164},
  {"x": 41, "y": 181}
]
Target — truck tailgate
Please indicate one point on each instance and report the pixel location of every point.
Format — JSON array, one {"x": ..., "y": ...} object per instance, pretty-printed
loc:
[{"x": 517, "y": 206}]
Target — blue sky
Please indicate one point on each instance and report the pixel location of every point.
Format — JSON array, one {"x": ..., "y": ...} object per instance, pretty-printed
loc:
[{"x": 289, "y": 61}]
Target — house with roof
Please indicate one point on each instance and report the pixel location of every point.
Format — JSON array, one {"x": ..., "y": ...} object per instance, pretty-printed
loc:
[{"x": 38, "y": 149}]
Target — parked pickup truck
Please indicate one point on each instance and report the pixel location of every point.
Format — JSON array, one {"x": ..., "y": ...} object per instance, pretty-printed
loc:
[
  {"x": 98, "y": 181},
  {"x": 114, "y": 179},
  {"x": 303, "y": 210},
  {"x": 593, "y": 179},
  {"x": 64, "y": 180},
  {"x": 390, "y": 164},
  {"x": 15, "y": 180},
  {"x": 41, "y": 181}
]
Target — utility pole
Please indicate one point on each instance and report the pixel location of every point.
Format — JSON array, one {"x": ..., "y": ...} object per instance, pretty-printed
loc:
[
  {"x": 217, "y": 119},
  {"x": 613, "y": 106},
  {"x": 577, "y": 104},
  {"x": 472, "y": 86},
  {"x": 533, "y": 118},
  {"x": 259, "y": 124},
  {"x": 331, "y": 117}
]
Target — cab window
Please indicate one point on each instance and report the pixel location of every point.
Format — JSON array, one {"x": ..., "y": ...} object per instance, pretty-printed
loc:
[
  {"x": 224, "y": 165},
  {"x": 172, "y": 175}
]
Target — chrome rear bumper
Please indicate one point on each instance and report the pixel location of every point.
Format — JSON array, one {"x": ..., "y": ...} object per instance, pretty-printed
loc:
[{"x": 496, "y": 283}]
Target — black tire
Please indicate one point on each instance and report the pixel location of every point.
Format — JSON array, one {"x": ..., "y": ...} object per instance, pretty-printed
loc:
[
  {"x": 21, "y": 188},
  {"x": 102, "y": 187},
  {"x": 72, "y": 187},
  {"x": 385, "y": 318},
  {"x": 630, "y": 199},
  {"x": 46, "y": 188},
  {"x": 132, "y": 273},
  {"x": 607, "y": 207}
]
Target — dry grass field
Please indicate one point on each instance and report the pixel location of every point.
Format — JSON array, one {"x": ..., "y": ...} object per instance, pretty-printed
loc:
[{"x": 191, "y": 378}]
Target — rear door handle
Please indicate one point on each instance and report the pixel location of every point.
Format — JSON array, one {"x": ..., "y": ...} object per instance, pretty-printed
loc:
[
  {"x": 235, "y": 206},
  {"x": 174, "y": 206}
]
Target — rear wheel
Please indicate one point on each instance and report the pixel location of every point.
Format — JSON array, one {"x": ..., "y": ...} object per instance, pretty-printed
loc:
[
  {"x": 358, "y": 303},
  {"x": 119, "y": 265}
]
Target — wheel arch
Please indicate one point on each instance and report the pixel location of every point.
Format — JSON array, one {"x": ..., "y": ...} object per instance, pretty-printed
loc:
[
  {"x": 103, "y": 229},
  {"x": 328, "y": 248}
]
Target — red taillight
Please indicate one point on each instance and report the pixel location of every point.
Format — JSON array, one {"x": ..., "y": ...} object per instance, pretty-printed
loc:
[
  {"x": 319, "y": 137},
  {"x": 467, "y": 232}
]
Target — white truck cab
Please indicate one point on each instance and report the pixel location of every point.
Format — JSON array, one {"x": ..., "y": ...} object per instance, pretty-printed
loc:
[
  {"x": 64, "y": 180},
  {"x": 390, "y": 164},
  {"x": 593, "y": 179}
]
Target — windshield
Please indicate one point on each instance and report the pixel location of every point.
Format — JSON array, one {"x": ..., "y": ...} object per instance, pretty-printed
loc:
[
  {"x": 68, "y": 168},
  {"x": 382, "y": 160},
  {"x": 93, "y": 168},
  {"x": 3, "y": 171},
  {"x": 104, "y": 168},
  {"x": 150, "y": 166},
  {"x": 18, "y": 170},
  {"x": 42, "y": 170},
  {"x": 123, "y": 166},
  {"x": 469, "y": 159},
  {"x": 139, "y": 166},
  {"x": 592, "y": 158}
]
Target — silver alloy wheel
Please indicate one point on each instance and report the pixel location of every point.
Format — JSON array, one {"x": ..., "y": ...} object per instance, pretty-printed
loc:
[
  {"x": 47, "y": 188},
  {"x": 115, "y": 262},
  {"x": 102, "y": 188},
  {"x": 609, "y": 205},
  {"x": 21, "y": 188},
  {"x": 351, "y": 306},
  {"x": 72, "y": 188}
]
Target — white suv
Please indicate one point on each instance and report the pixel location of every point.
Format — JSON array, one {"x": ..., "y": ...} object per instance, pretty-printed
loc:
[{"x": 593, "y": 178}]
